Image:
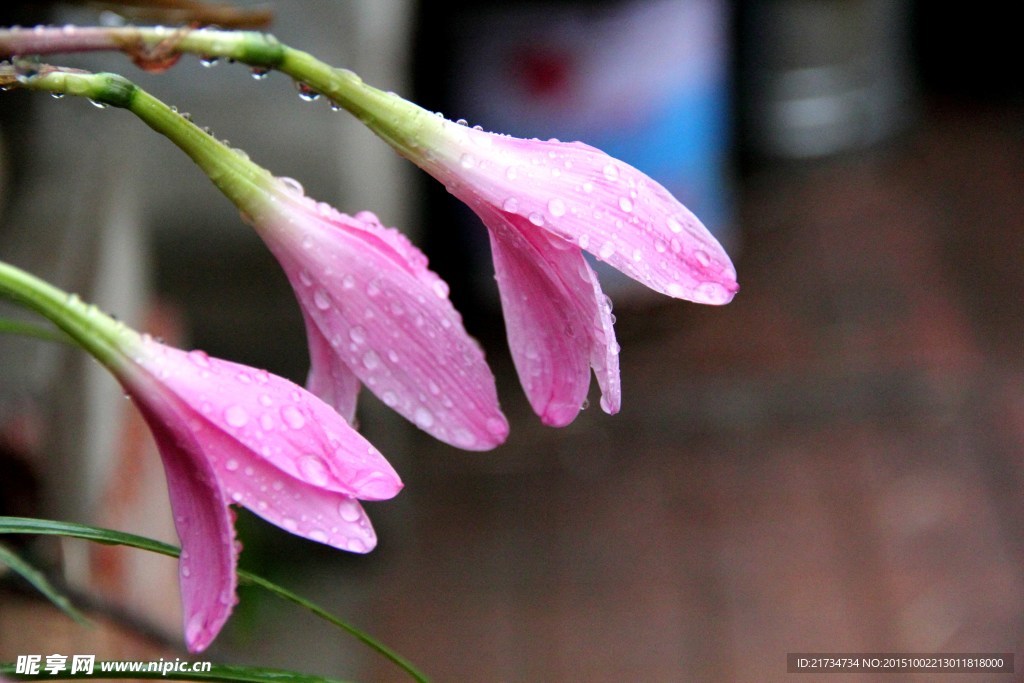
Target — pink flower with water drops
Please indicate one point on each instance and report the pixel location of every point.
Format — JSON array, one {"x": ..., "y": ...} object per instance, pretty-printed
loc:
[
  {"x": 545, "y": 203},
  {"x": 229, "y": 434},
  {"x": 376, "y": 315}
]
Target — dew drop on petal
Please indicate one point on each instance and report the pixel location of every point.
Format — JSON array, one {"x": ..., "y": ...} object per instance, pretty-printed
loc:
[
  {"x": 424, "y": 418},
  {"x": 674, "y": 225},
  {"x": 588, "y": 187},
  {"x": 318, "y": 535},
  {"x": 321, "y": 300},
  {"x": 556, "y": 207},
  {"x": 675, "y": 289},
  {"x": 510, "y": 205},
  {"x": 537, "y": 219},
  {"x": 610, "y": 172},
  {"x": 313, "y": 470},
  {"x": 293, "y": 417},
  {"x": 357, "y": 334},
  {"x": 467, "y": 161},
  {"x": 231, "y": 465},
  {"x": 626, "y": 204},
  {"x": 702, "y": 257},
  {"x": 348, "y": 282},
  {"x": 441, "y": 289},
  {"x": 584, "y": 241},
  {"x": 371, "y": 360},
  {"x": 236, "y": 416},
  {"x": 289, "y": 523},
  {"x": 199, "y": 358},
  {"x": 607, "y": 249},
  {"x": 349, "y": 510},
  {"x": 496, "y": 426}
]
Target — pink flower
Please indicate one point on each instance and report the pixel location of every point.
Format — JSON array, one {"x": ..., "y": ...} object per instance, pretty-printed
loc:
[
  {"x": 544, "y": 204},
  {"x": 375, "y": 314},
  {"x": 230, "y": 434}
]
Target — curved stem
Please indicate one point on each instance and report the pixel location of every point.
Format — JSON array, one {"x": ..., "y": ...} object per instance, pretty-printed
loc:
[
  {"x": 401, "y": 123},
  {"x": 99, "y": 334}
]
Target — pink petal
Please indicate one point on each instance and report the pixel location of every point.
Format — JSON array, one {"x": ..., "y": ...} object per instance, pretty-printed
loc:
[
  {"x": 272, "y": 418},
  {"x": 305, "y": 510},
  {"x": 388, "y": 318},
  {"x": 206, "y": 570},
  {"x": 603, "y": 205},
  {"x": 329, "y": 378},
  {"x": 557, "y": 319}
]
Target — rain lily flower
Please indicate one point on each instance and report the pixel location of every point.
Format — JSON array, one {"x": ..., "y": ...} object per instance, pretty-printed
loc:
[
  {"x": 544, "y": 203},
  {"x": 374, "y": 312},
  {"x": 228, "y": 434}
]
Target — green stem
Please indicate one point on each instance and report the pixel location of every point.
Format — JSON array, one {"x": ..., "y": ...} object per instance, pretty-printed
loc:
[
  {"x": 96, "y": 332},
  {"x": 240, "y": 179},
  {"x": 401, "y": 123}
]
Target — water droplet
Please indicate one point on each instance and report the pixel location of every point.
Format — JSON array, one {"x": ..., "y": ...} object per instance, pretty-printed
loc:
[
  {"x": 292, "y": 185},
  {"x": 424, "y": 418},
  {"x": 702, "y": 257},
  {"x": 185, "y": 571},
  {"x": 496, "y": 426},
  {"x": 266, "y": 400},
  {"x": 357, "y": 334},
  {"x": 462, "y": 122},
  {"x": 467, "y": 161},
  {"x": 676, "y": 245},
  {"x": 57, "y": 95},
  {"x": 537, "y": 219},
  {"x": 356, "y": 546},
  {"x": 556, "y": 207},
  {"x": 584, "y": 241},
  {"x": 318, "y": 535},
  {"x": 392, "y": 355},
  {"x": 267, "y": 422},
  {"x": 433, "y": 388},
  {"x": 306, "y": 92},
  {"x": 389, "y": 398},
  {"x": 610, "y": 172},
  {"x": 209, "y": 60},
  {"x": 304, "y": 278},
  {"x": 511, "y": 173},
  {"x": 588, "y": 187},
  {"x": 372, "y": 288},
  {"x": 236, "y": 416},
  {"x": 712, "y": 293},
  {"x": 293, "y": 417},
  {"x": 314, "y": 470},
  {"x": 511, "y": 205},
  {"x": 98, "y": 105},
  {"x": 289, "y": 523},
  {"x": 259, "y": 73},
  {"x": 660, "y": 246},
  {"x": 231, "y": 465},
  {"x": 321, "y": 300},
  {"x": 626, "y": 204},
  {"x": 349, "y": 510},
  {"x": 199, "y": 358},
  {"x": 371, "y": 360},
  {"x": 675, "y": 289},
  {"x": 674, "y": 225},
  {"x": 348, "y": 282},
  {"x": 607, "y": 249},
  {"x": 638, "y": 255}
]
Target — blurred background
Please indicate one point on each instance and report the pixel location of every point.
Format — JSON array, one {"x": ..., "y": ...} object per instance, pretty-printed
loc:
[{"x": 831, "y": 463}]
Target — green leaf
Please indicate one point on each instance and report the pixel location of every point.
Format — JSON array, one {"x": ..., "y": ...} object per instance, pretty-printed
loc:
[
  {"x": 8, "y": 326},
  {"x": 217, "y": 672},
  {"x": 26, "y": 525},
  {"x": 40, "y": 583}
]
